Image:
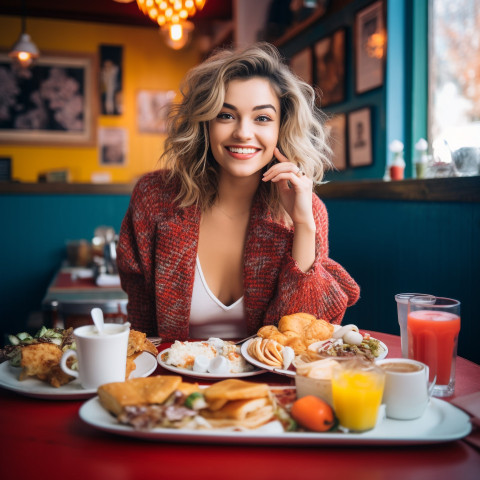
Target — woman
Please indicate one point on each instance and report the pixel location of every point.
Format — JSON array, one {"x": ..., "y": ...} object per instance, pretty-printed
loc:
[{"x": 230, "y": 236}]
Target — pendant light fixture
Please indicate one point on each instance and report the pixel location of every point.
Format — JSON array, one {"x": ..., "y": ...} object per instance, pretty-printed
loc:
[
  {"x": 24, "y": 51},
  {"x": 172, "y": 17}
]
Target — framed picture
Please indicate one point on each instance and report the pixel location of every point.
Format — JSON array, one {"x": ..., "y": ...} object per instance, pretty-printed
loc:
[
  {"x": 152, "y": 110},
  {"x": 330, "y": 67},
  {"x": 111, "y": 79},
  {"x": 337, "y": 140},
  {"x": 370, "y": 47},
  {"x": 52, "y": 102},
  {"x": 301, "y": 65},
  {"x": 112, "y": 146},
  {"x": 360, "y": 138}
]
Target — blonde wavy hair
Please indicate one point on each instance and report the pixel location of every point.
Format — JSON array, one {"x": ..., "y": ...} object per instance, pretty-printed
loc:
[{"x": 187, "y": 153}]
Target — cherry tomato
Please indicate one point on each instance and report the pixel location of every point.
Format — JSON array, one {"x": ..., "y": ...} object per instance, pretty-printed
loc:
[{"x": 314, "y": 414}]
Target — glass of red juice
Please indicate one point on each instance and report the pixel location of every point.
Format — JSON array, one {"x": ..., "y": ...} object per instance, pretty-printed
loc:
[{"x": 433, "y": 330}]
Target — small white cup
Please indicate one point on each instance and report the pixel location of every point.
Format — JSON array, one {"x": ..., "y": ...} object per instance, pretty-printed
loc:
[
  {"x": 101, "y": 358},
  {"x": 407, "y": 388}
]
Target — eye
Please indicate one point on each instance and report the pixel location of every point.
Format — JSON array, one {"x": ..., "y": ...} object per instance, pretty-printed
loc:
[
  {"x": 224, "y": 116},
  {"x": 263, "y": 118}
]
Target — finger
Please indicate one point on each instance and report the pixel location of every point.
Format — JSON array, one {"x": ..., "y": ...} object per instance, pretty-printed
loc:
[{"x": 279, "y": 155}]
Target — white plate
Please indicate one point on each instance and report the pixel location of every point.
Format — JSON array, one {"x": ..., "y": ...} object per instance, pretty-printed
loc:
[
  {"x": 32, "y": 387},
  {"x": 288, "y": 373},
  {"x": 441, "y": 422},
  {"x": 211, "y": 376}
]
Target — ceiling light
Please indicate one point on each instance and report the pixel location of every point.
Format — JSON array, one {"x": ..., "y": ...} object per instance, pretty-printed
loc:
[
  {"x": 171, "y": 16},
  {"x": 24, "y": 51}
]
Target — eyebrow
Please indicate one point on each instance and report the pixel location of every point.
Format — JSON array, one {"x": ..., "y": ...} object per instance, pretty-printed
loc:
[{"x": 258, "y": 107}]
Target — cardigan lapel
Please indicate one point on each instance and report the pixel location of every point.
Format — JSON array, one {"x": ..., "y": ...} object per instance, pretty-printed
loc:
[{"x": 176, "y": 250}]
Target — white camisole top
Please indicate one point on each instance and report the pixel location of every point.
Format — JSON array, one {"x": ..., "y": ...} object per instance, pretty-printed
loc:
[{"x": 209, "y": 317}]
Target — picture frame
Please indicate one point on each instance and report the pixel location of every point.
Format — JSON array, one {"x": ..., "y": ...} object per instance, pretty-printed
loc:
[
  {"x": 330, "y": 64},
  {"x": 337, "y": 140},
  {"x": 302, "y": 65},
  {"x": 52, "y": 102},
  {"x": 111, "y": 79},
  {"x": 370, "y": 47},
  {"x": 152, "y": 110},
  {"x": 112, "y": 146},
  {"x": 360, "y": 138}
]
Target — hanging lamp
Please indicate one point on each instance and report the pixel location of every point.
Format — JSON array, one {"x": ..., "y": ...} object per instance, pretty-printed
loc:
[
  {"x": 172, "y": 17},
  {"x": 24, "y": 51}
]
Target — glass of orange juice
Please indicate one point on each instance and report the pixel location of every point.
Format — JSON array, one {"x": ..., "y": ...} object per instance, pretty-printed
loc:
[
  {"x": 433, "y": 330},
  {"x": 357, "y": 389}
]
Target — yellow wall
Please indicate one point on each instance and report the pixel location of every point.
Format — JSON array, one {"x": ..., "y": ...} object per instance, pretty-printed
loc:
[{"x": 148, "y": 64}]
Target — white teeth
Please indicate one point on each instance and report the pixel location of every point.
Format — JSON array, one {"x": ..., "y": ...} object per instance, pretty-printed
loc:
[{"x": 242, "y": 150}]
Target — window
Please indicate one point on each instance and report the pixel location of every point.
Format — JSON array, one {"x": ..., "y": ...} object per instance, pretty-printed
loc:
[{"x": 454, "y": 82}]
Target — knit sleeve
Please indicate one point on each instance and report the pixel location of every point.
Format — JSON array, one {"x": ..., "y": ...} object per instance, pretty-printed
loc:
[
  {"x": 134, "y": 258},
  {"x": 325, "y": 291}
]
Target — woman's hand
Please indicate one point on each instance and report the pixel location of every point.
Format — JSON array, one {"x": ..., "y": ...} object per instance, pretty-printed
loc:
[{"x": 295, "y": 189}]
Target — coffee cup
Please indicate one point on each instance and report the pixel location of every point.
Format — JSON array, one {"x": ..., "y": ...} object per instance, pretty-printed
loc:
[
  {"x": 102, "y": 358},
  {"x": 407, "y": 388}
]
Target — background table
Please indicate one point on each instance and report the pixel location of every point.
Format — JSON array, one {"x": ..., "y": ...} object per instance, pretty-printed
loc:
[{"x": 44, "y": 439}]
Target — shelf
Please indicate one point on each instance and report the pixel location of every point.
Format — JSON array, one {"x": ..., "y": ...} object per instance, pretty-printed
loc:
[{"x": 462, "y": 189}]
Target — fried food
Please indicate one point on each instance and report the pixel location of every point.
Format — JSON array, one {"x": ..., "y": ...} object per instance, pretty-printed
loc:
[
  {"x": 115, "y": 396},
  {"x": 243, "y": 404},
  {"x": 38, "y": 359},
  {"x": 138, "y": 342}
]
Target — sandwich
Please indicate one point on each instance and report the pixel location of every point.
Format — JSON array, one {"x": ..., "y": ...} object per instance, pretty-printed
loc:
[
  {"x": 236, "y": 403},
  {"x": 149, "y": 402},
  {"x": 165, "y": 401}
]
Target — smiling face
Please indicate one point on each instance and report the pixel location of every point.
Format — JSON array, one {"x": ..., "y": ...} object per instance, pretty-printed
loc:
[{"x": 245, "y": 132}]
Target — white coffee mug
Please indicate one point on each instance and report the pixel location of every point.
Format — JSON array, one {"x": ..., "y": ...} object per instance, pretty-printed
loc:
[
  {"x": 102, "y": 358},
  {"x": 407, "y": 388}
]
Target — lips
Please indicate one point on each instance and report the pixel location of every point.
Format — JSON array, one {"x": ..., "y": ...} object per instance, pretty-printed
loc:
[{"x": 242, "y": 152}]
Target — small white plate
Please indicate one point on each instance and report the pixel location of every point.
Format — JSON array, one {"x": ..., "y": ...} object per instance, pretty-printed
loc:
[
  {"x": 441, "y": 422},
  {"x": 32, "y": 387},
  {"x": 211, "y": 376},
  {"x": 290, "y": 372}
]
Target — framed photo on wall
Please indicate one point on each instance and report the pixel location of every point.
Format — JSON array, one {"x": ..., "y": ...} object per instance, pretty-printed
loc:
[
  {"x": 337, "y": 140},
  {"x": 360, "y": 138},
  {"x": 301, "y": 65},
  {"x": 52, "y": 102},
  {"x": 152, "y": 110},
  {"x": 370, "y": 47},
  {"x": 111, "y": 79},
  {"x": 330, "y": 67},
  {"x": 112, "y": 146}
]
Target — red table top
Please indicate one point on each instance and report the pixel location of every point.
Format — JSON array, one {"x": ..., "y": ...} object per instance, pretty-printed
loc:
[{"x": 46, "y": 439}]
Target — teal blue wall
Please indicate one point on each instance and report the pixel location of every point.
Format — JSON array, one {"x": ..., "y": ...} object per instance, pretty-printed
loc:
[
  {"x": 394, "y": 247},
  {"x": 399, "y": 106},
  {"x": 35, "y": 229}
]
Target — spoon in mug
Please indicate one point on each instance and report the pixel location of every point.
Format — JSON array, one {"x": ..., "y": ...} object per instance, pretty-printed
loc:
[{"x": 97, "y": 316}]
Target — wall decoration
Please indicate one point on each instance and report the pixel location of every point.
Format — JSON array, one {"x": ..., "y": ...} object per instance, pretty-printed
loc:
[
  {"x": 337, "y": 131},
  {"x": 370, "y": 47},
  {"x": 152, "y": 110},
  {"x": 51, "y": 102},
  {"x": 301, "y": 65},
  {"x": 111, "y": 79},
  {"x": 330, "y": 67},
  {"x": 360, "y": 138},
  {"x": 112, "y": 146}
]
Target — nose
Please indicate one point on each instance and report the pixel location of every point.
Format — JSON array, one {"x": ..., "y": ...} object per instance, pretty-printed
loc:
[{"x": 243, "y": 130}]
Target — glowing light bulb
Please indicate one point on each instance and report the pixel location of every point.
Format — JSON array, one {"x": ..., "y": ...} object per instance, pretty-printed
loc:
[{"x": 176, "y": 32}]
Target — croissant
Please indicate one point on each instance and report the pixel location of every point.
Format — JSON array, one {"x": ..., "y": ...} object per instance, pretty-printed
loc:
[
  {"x": 272, "y": 333},
  {"x": 317, "y": 330},
  {"x": 295, "y": 323}
]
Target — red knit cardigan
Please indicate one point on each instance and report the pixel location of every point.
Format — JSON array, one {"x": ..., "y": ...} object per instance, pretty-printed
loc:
[{"x": 156, "y": 257}]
